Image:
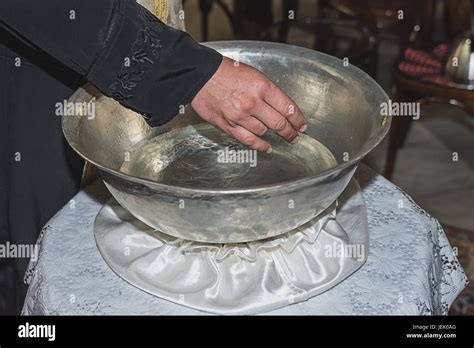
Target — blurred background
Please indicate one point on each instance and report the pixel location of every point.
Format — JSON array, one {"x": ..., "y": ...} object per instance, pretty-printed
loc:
[{"x": 418, "y": 51}]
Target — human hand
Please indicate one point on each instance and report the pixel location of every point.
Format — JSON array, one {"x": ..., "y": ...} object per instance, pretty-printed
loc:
[{"x": 244, "y": 103}]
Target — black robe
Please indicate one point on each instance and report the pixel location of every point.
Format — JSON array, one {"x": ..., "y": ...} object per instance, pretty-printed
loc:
[{"x": 48, "y": 49}]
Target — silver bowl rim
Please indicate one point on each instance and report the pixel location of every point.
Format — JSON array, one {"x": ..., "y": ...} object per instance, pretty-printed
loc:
[{"x": 288, "y": 185}]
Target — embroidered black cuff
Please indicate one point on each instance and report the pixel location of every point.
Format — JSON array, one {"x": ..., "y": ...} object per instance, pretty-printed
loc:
[{"x": 150, "y": 67}]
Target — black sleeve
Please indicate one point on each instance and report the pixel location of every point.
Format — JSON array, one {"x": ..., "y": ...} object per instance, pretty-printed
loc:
[{"x": 120, "y": 47}]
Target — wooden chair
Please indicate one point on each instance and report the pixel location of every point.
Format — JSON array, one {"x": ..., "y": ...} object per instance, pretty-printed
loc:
[
  {"x": 408, "y": 19},
  {"x": 408, "y": 89}
]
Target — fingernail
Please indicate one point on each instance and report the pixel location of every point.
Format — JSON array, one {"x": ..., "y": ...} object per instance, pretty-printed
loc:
[
  {"x": 295, "y": 140},
  {"x": 270, "y": 150},
  {"x": 304, "y": 128}
]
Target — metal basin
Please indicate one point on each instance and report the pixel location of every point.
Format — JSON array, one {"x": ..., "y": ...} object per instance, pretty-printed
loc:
[{"x": 342, "y": 105}]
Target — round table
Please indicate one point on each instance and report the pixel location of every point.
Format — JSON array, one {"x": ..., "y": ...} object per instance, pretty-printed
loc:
[{"x": 411, "y": 268}]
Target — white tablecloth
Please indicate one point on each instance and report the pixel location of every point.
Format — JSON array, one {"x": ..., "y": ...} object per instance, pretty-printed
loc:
[{"x": 411, "y": 268}]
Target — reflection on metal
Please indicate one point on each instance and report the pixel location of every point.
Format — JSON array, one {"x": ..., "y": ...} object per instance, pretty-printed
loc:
[
  {"x": 460, "y": 63},
  {"x": 341, "y": 103}
]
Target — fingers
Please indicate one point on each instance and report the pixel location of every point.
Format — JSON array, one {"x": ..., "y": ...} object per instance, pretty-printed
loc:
[
  {"x": 276, "y": 121},
  {"x": 240, "y": 112},
  {"x": 243, "y": 135},
  {"x": 252, "y": 124},
  {"x": 245, "y": 104},
  {"x": 282, "y": 103},
  {"x": 237, "y": 114}
]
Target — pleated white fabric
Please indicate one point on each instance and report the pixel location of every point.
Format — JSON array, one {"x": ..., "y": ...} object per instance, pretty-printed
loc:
[{"x": 247, "y": 278}]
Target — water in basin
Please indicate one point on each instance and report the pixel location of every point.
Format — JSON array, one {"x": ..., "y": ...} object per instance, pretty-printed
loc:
[{"x": 204, "y": 157}]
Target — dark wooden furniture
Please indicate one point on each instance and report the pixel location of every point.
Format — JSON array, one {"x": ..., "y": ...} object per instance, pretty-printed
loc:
[
  {"x": 206, "y": 6},
  {"x": 457, "y": 17},
  {"x": 343, "y": 38},
  {"x": 408, "y": 19},
  {"x": 457, "y": 21},
  {"x": 250, "y": 19},
  {"x": 410, "y": 90}
]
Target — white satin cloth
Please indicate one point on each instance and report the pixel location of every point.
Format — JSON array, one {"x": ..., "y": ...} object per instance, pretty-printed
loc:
[
  {"x": 411, "y": 268},
  {"x": 246, "y": 278}
]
